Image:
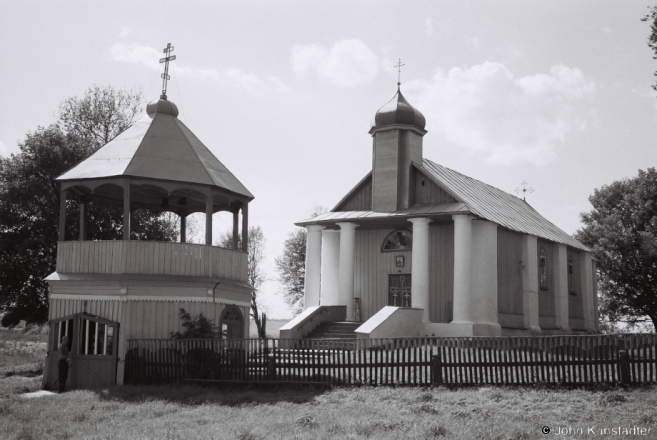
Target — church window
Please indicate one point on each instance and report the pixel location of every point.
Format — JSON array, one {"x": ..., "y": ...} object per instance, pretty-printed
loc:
[
  {"x": 571, "y": 274},
  {"x": 399, "y": 240},
  {"x": 542, "y": 268}
]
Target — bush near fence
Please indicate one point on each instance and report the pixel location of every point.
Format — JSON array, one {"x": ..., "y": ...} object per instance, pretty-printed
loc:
[{"x": 567, "y": 360}]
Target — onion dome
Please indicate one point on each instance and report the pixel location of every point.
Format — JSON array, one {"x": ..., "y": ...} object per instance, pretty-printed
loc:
[
  {"x": 161, "y": 106},
  {"x": 398, "y": 111}
]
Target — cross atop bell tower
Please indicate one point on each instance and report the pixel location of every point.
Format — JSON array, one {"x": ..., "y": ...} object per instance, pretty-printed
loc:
[
  {"x": 165, "y": 76},
  {"x": 399, "y": 65}
]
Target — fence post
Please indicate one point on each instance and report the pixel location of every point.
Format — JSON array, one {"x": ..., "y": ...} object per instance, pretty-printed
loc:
[
  {"x": 436, "y": 370},
  {"x": 272, "y": 368},
  {"x": 624, "y": 366}
]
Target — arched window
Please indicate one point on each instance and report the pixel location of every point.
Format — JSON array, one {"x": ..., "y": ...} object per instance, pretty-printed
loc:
[
  {"x": 542, "y": 268},
  {"x": 399, "y": 240},
  {"x": 571, "y": 274},
  {"x": 231, "y": 323}
]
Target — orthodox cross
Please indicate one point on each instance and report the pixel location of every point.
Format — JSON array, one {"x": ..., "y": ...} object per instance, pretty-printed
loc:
[
  {"x": 399, "y": 66},
  {"x": 165, "y": 76},
  {"x": 524, "y": 189}
]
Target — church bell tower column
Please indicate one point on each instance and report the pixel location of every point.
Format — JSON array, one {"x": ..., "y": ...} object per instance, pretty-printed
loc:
[
  {"x": 462, "y": 269},
  {"x": 313, "y": 265},
  {"x": 420, "y": 269},
  {"x": 346, "y": 276}
]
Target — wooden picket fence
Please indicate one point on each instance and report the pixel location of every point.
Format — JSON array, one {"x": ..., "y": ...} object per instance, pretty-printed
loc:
[{"x": 568, "y": 360}]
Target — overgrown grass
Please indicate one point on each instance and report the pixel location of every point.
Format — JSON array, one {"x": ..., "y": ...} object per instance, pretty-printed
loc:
[
  {"x": 178, "y": 411},
  {"x": 22, "y": 353},
  {"x": 251, "y": 413}
]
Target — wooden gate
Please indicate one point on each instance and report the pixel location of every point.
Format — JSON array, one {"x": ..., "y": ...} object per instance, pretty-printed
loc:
[{"x": 92, "y": 346}]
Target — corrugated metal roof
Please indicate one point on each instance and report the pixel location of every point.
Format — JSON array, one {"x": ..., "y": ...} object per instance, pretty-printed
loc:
[
  {"x": 496, "y": 205},
  {"x": 415, "y": 211},
  {"x": 159, "y": 148}
]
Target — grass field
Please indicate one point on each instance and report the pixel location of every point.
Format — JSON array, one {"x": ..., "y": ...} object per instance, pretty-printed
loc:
[{"x": 250, "y": 413}]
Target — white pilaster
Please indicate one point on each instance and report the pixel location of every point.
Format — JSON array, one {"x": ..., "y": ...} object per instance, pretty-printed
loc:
[
  {"x": 313, "y": 265},
  {"x": 484, "y": 273},
  {"x": 462, "y": 269},
  {"x": 586, "y": 280},
  {"x": 530, "y": 282},
  {"x": 596, "y": 318},
  {"x": 330, "y": 267},
  {"x": 346, "y": 266},
  {"x": 560, "y": 285},
  {"x": 420, "y": 269}
]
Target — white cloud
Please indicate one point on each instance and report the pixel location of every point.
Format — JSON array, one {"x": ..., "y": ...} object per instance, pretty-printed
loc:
[
  {"x": 428, "y": 26},
  {"x": 232, "y": 77},
  {"x": 506, "y": 119},
  {"x": 349, "y": 63}
]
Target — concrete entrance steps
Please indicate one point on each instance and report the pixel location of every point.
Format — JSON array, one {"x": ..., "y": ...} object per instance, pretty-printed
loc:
[{"x": 334, "y": 330}]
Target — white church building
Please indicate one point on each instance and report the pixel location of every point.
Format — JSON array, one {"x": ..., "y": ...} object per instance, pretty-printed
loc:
[{"x": 418, "y": 249}]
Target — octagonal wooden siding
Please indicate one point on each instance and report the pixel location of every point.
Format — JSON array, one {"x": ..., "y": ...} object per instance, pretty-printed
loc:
[{"x": 150, "y": 257}]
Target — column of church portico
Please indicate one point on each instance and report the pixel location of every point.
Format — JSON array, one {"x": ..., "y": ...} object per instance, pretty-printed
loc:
[
  {"x": 560, "y": 286},
  {"x": 420, "y": 269},
  {"x": 346, "y": 266},
  {"x": 530, "y": 282},
  {"x": 462, "y": 269},
  {"x": 330, "y": 267},
  {"x": 586, "y": 282},
  {"x": 313, "y": 265},
  {"x": 484, "y": 276}
]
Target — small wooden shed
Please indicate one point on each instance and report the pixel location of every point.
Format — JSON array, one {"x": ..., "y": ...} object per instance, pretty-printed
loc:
[{"x": 106, "y": 292}]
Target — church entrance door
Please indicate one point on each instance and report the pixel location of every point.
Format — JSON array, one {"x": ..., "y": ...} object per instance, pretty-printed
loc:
[{"x": 399, "y": 290}]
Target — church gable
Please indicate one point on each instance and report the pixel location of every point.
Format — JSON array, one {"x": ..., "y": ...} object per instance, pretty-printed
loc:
[
  {"x": 427, "y": 191},
  {"x": 359, "y": 198}
]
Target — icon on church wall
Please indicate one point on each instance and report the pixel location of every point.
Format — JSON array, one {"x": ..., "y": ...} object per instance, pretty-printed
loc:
[{"x": 399, "y": 261}]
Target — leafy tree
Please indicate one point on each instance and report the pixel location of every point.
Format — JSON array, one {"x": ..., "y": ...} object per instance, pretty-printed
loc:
[
  {"x": 101, "y": 114},
  {"x": 29, "y": 211},
  {"x": 292, "y": 269},
  {"x": 255, "y": 273},
  {"x": 622, "y": 231}
]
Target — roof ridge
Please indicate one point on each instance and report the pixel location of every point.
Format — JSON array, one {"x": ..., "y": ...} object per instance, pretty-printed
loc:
[
  {"x": 212, "y": 154},
  {"x": 150, "y": 127},
  {"x": 176, "y": 120}
]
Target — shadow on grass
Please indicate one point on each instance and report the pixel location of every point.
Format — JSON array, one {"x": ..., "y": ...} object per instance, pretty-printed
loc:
[{"x": 228, "y": 395}]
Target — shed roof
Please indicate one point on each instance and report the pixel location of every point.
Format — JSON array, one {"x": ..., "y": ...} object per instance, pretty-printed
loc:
[{"x": 157, "y": 146}]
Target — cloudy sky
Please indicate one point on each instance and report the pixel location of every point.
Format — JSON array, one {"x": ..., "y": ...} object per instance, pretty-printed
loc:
[{"x": 557, "y": 93}]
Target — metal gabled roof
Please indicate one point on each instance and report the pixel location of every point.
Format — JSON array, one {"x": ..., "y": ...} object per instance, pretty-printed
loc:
[
  {"x": 496, "y": 205},
  {"x": 158, "y": 148}
]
